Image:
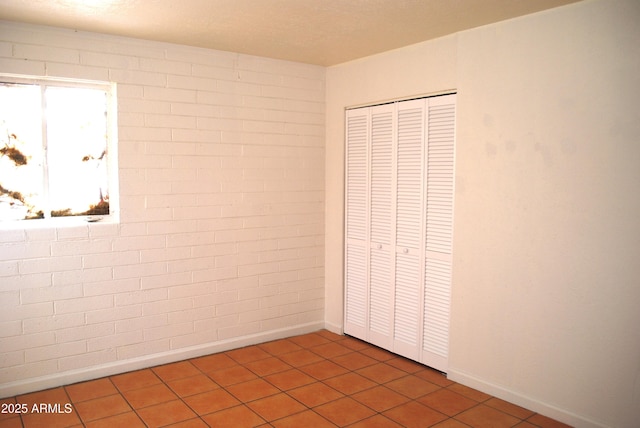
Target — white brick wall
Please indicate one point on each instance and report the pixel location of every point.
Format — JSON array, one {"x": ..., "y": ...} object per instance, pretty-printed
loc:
[{"x": 221, "y": 164}]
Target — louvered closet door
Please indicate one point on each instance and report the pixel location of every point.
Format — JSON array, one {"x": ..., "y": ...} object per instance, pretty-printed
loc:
[
  {"x": 439, "y": 230},
  {"x": 409, "y": 228},
  {"x": 382, "y": 211},
  {"x": 398, "y": 226},
  {"x": 357, "y": 222}
]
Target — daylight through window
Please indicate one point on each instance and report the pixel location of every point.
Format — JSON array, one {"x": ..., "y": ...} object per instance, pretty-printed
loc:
[{"x": 54, "y": 150}]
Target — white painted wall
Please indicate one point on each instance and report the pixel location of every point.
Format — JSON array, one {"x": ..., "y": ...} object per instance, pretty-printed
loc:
[
  {"x": 546, "y": 284},
  {"x": 221, "y": 239}
]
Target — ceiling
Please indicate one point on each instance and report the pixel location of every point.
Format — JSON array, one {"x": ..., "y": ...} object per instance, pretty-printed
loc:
[{"x": 322, "y": 32}]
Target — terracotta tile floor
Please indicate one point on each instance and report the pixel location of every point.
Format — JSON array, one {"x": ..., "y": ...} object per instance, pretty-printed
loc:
[{"x": 314, "y": 380}]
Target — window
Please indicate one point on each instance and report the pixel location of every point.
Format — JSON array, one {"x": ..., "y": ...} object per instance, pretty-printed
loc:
[{"x": 56, "y": 149}]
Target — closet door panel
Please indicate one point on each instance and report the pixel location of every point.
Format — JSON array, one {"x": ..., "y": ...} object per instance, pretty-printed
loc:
[
  {"x": 409, "y": 229},
  {"x": 439, "y": 230},
  {"x": 356, "y": 222},
  {"x": 382, "y": 233}
]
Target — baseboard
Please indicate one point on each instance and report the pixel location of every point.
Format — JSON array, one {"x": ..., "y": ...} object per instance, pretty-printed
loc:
[
  {"x": 74, "y": 376},
  {"x": 522, "y": 400},
  {"x": 334, "y": 328}
]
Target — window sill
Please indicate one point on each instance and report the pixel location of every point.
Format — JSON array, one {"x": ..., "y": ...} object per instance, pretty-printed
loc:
[{"x": 58, "y": 222}]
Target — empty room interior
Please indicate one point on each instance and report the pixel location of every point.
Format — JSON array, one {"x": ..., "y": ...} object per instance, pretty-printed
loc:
[{"x": 240, "y": 198}]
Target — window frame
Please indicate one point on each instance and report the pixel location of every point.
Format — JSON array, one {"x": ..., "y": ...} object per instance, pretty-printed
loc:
[{"x": 110, "y": 88}]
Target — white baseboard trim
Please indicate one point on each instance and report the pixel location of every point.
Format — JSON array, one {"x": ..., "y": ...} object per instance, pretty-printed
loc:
[
  {"x": 334, "y": 328},
  {"x": 88, "y": 373},
  {"x": 522, "y": 400}
]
